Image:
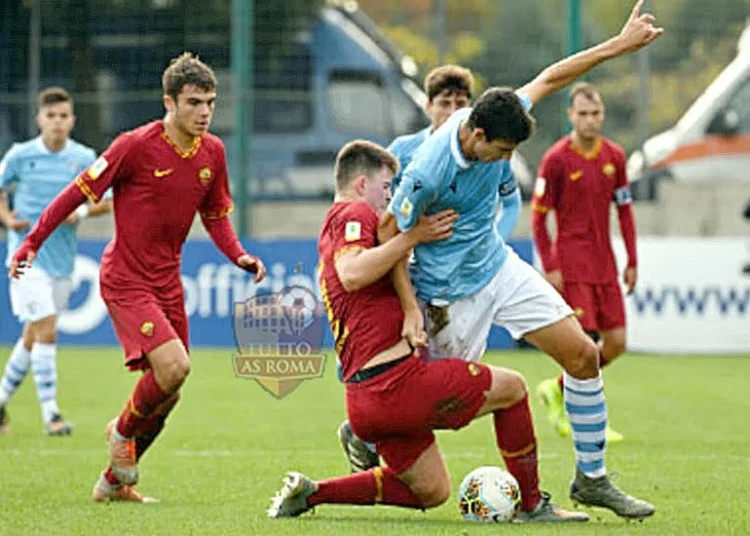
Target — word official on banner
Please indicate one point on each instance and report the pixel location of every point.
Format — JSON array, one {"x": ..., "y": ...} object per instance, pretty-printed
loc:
[{"x": 212, "y": 287}]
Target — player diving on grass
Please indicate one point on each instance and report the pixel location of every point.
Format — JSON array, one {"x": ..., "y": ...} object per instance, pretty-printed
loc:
[
  {"x": 579, "y": 179},
  {"x": 473, "y": 280},
  {"x": 394, "y": 398},
  {"x": 161, "y": 173},
  {"x": 36, "y": 171}
]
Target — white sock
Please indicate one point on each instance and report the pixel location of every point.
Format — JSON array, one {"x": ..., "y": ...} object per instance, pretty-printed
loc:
[
  {"x": 587, "y": 413},
  {"x": 44, "y": 364},
  {"x": 15, "y": 371}
]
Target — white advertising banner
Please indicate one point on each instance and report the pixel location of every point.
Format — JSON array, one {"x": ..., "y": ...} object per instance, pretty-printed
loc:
[{"x": 692, "y": 295}]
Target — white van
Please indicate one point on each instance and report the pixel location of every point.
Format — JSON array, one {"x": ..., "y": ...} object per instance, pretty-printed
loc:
[{"x": 712, "y": 140}]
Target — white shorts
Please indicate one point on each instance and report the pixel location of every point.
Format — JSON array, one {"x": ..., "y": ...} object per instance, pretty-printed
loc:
[
  {"x": 518, "y": 298},
  {"x": 36, "y": 295}
]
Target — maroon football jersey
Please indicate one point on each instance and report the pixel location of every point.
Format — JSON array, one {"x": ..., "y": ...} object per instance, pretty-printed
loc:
[
  {"x": 580, "y": 188},
  {"x": 368, "y": 321},
  {"x": 157, "y": 191}
]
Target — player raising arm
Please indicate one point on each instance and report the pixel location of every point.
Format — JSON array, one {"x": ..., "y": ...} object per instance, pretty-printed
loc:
[
  {"x": 449, "y": 88},
  {"x": 393, "y": 397},
  {"x": 473, "y": 280},
  {"x": 162, "y": 173},
  {"x": 36, "y": 171},
  {"x": 579, "y": 179}
]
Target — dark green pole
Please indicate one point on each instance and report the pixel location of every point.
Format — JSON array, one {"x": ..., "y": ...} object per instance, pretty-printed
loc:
[
  {"x": 572, "y": 45},
  {"x": 242, "y": 86}
]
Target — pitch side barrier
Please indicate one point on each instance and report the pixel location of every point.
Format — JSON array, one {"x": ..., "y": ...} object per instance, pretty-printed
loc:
[{"x": 212, "y": 286}]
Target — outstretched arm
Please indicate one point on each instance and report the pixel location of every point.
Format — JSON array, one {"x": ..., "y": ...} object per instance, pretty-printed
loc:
[
  {"x": 637, "y": 32},
  {"x": 223, "y": 235},
  {"x": 359, "y": 267}
]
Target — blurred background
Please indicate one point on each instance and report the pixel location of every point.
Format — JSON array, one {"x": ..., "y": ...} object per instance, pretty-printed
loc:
[{"x": 300, "y": 79}]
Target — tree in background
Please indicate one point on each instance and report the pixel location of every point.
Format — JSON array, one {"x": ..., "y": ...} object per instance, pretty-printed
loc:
[{"x": 508, "y": 41}]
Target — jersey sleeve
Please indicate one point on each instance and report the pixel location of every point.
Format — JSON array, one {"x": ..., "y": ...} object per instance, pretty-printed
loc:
[
  {"x": 508, "y": 185},
  {"x": 218, "y": 201},
  {"x": 420, "y": 182},
  {"x": 396, "y": 149},
  {"x": 8, "y": 168},
  {"x": 106, "y": 170},
  {"x": 355, "y": 229},
  {"x": 525, "y": 100},
  {"x": 544, "y": 198},
  {"x": 622, "y": 194}
]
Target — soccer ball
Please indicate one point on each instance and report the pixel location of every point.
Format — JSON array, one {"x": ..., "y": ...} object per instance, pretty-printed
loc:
[{"x": 489, "y": 494}]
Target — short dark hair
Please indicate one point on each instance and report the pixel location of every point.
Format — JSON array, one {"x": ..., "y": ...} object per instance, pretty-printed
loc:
[
  {"x": 187, "y": 69},
  {"x": 587, "y": 90},
  {"x": 502, "y": 115},
  {"x": 53, "y": 95},
  {"x": 451, "y": 78},
  {"x": 361, "y": 157}
]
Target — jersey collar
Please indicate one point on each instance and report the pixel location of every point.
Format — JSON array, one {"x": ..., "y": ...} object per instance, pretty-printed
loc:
[
  {"x": 593, "y": 154},
  {"x": 43, "y": 149},
  {"x": 456, "y": 151}
]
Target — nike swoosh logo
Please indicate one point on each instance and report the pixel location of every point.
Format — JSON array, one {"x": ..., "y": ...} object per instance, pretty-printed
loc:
[
  {"x": 576, "y": 175},
  {"x": 159, "y": 173}
]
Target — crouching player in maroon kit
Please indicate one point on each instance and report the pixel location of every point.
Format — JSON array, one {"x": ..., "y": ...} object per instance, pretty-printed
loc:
[
  {"x": 161, "y": 174},
  {"x": 579, "y": 178},
  {"x": 393, "y": 398}
]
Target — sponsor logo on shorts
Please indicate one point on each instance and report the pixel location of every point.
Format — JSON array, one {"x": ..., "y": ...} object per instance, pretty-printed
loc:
[
  {"x": 147, "y": 328},
  {"x": 279, "y": 336}
]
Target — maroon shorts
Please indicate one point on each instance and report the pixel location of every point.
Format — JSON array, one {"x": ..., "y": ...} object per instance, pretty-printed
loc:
[
  {"x": 399, "y": 409},
  {"x": 143, "y": 322},
  {"x": 598, "y": 306}
]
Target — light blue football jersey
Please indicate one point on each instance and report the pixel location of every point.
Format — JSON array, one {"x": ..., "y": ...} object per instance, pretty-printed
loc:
[
  {"x": 39, "y": 175},
  {"x": 404, "y": 148},
  {"x": 440, "y": 177}
]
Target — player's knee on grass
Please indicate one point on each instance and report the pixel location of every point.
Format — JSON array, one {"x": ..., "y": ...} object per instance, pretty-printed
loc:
[
  {"x": 428, "y": 478},
  {"x": 44, "y": 330},
  {"x": 507, "y": 389},
  {"x": 431, "y": 488}
]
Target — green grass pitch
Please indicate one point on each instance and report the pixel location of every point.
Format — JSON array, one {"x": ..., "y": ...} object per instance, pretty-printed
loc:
[{"x": 229, "y": 442}]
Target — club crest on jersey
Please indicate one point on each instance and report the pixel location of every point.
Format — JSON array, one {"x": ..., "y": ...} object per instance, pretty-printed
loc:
[
  {"x": 609, "y": 169},
  {"x": 147, "y": 328},
  {"x": 204, "y": 175},
  {"x": 97, "y": 168},
  {"x": 406, "y": 208},
  {"x": 353, "y": 231}
]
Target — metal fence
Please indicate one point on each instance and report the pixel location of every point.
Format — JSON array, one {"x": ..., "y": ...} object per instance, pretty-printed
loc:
[{"x": 322, "y": 76}]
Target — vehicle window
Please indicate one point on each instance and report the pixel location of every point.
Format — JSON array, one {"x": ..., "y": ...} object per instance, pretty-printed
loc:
[
  {"x": 741, "y": 104},
  {"x": 357, "y": 103}
]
